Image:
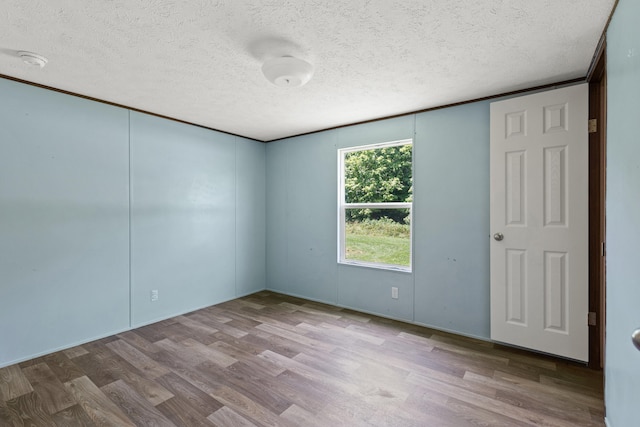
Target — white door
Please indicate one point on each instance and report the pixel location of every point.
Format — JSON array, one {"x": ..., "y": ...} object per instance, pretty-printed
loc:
[{"x": 539, "y": 222}]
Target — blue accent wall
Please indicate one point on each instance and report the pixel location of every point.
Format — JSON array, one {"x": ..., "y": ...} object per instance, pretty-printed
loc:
[
  {"x": 100, "y": 205},
  {"x": 364, "y": 288},
  {"x": 622, "y": 360},
  {"x": 182, "y": 217},
  {"x": 449, "y": 285},
  {"x": 301, "y": 222},
  {"x": 451, "y": 219},
  {"x": 250, "y": 226},
  {"x": 64, "y": 233}
]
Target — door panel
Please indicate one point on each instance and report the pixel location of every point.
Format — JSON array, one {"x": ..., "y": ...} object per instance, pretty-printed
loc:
[
  {"x": 539, "y": 203},
  {"x": 516, "y": 281},
  {"x": 555, "y": 186},
  {"x": 516, "y": 188},
  {"x": 555, "y": 291}
]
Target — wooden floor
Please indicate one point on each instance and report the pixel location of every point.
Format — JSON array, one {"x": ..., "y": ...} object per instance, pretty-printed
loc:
[{"x": 271, "y": 360}]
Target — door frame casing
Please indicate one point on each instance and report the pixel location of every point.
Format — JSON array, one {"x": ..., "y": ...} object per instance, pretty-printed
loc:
[{"x": 597, "y": 80}]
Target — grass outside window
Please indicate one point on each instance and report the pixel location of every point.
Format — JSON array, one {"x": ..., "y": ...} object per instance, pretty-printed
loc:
[{"x": 378, "y": 241}]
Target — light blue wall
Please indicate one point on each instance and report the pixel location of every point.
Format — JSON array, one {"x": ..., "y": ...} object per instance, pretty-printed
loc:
[
  {"x": 365, "y": 288},
  {"x": 451, "y": 214},
  {"x": 182, "y": 217},
  {"x": 301, "y": 223},
  {"x": 449, "y": 287},
  {"x": 622, "y": 361},
  {"x": 64, "y": 233},
  {"x": 251, "y": 220},
  {"x": 81, "y": 183},
  {"x": 276, "y": 215}
]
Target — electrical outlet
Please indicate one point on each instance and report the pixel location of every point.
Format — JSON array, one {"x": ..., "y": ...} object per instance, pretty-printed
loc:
[
  {"x": 154, "y": 295},
  {"x": 394, "y": 292}
]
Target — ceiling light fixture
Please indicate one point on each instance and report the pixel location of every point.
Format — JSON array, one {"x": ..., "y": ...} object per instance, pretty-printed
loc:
[
  {"x": 287, "y": 71},
  {"x": 31, "y": 58}
]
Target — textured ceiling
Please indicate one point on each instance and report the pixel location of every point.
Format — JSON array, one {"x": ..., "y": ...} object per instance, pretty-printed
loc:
[{"x": 199, "y": 60}]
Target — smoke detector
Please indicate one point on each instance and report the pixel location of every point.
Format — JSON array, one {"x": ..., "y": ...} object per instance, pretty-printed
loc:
[
  {"x": 287, "y": 71},
  {"x": 31, "y": 58}
]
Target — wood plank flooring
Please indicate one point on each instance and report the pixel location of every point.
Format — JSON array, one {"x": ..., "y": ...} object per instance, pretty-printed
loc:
[{"x": 273, "y": 360}]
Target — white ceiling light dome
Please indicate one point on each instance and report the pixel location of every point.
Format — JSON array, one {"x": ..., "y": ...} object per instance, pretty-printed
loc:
[{"x": 287, "y": 71}]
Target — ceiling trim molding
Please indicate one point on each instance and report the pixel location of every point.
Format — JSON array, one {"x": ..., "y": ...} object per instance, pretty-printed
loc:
[
  {"x": 455, "y": 104},
  {"x": 601, "y": 48},
  {"x": 114, "y": 104},
  {"x": 485, "y": 98}
]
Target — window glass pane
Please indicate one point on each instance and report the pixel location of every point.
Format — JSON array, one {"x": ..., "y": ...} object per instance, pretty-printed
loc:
[
  {"x": 378, "y": 236},
  {"x": 378, "y": 175}
]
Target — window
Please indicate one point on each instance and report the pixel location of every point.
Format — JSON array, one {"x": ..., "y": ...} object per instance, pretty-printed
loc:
[{"x": 375, "y": 202}]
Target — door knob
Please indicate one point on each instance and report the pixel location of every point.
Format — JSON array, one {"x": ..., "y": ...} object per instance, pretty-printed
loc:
[
  {"x": 635, "y": 338},
  {"x": 498, "y": 236}
]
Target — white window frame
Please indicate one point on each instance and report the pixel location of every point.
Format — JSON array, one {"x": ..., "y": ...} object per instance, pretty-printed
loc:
[{"x": 343, "y": 206}]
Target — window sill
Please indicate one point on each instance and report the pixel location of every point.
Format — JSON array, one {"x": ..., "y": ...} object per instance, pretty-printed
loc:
[{"x": 386, "y": 267}]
